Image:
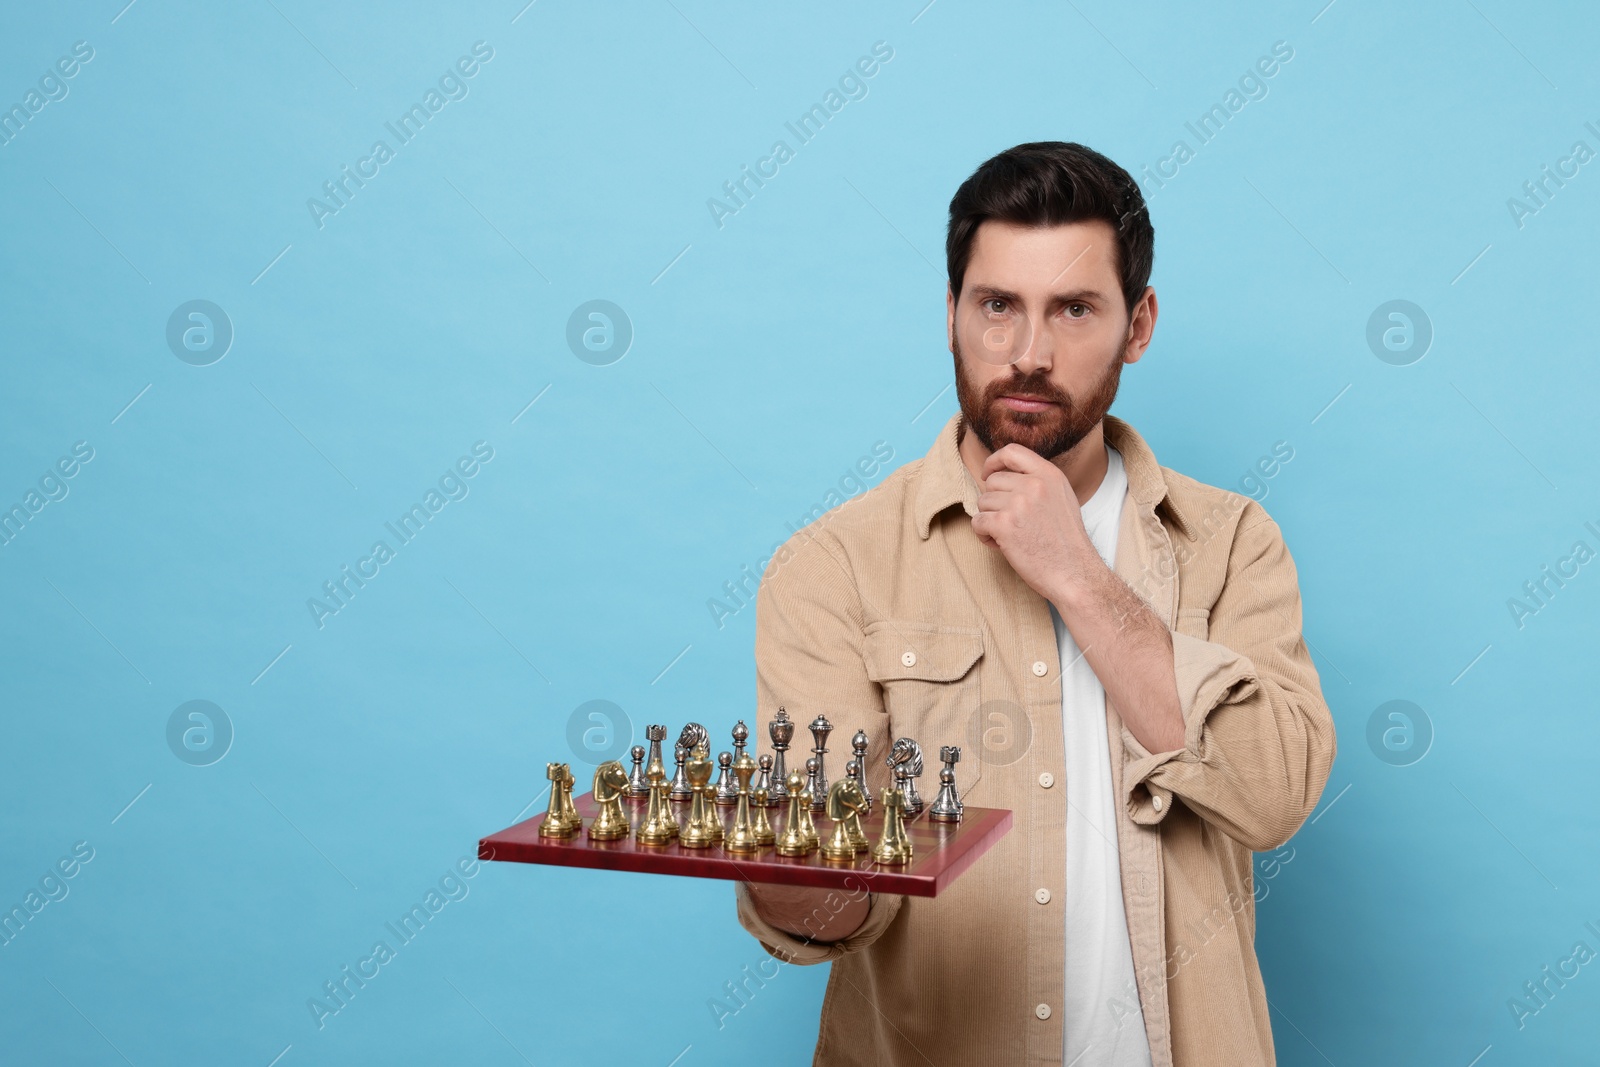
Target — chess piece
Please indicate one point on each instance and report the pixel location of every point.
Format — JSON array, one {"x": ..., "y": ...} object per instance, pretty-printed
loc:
[
  {"x": 808, "y": 805},
  {"x": 697, "y": 831},
  {"x": 820, "y": 729},
  {"x": 811, "y": 780},
  {"x": 858, "y": 836},
  {"x": 793, "y": 840},
  {"x": 764, "y": 779},
  {"x": 656, "y": 734},
  {"x": 763, "y": 823},
  {"x": 782, "y": 732},
  {"x": 741, "y": 734},
  {"x": 638, "y": 784},
  {"x": 844, "y": 800},
  {"x": 610, "y": 786},
  {"x": 726, "y": 790},
  {"x": 660, "y": 824},
  {"x": 743, "y": 838},
  {"x": 894, "y": 847},
  {"x": 680, "y": 790},
  {"x": 858, "y": 745},
  {"x": 947, "y": 805},
  {"x": 905, "y": 758},
  {"x": 562, "y": 819}
]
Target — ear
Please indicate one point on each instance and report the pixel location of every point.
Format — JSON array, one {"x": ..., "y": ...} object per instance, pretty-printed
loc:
[
  {"x": 1141, "y": 325},
  {"x": 950, "y": 319}
]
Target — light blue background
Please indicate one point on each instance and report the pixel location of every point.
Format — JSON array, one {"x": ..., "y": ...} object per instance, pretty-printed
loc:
[{"x": 769, "y": 355}]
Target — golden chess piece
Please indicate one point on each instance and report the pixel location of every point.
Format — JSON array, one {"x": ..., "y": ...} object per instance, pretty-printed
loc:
[
  {"x": 844, "y": 800},
  {"x": 764, "y": 835},
  {"x": 698, "y": 832},
  {"x": 660, "y": 825},
  {"x": 894, "y": 847},
  {"x": 793, "y": 840},
  {"x": 562, "y": 818},
  {"x": 742, "y": 838},
  {"x": 852, "y": 819},
  {"x": 610, "y": 786}
]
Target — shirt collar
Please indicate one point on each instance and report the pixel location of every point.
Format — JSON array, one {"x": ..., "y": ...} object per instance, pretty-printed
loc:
[{"x": 945, "y": 480}]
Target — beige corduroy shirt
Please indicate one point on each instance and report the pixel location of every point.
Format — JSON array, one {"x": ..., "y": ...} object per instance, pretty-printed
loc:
[{"x": 888, "y": 615}]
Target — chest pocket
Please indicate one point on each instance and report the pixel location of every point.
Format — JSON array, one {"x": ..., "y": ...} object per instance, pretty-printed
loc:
[{"x": 929, "y": 679}]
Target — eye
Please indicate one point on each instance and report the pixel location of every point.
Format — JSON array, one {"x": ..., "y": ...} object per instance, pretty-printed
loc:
[
  {"x": 989, "y": 305},
  {"x": 1077, "y": 311}
]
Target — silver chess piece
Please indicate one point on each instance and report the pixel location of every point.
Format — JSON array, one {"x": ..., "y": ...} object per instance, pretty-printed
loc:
[
  {"x": 858, "y": 744},
  {"x": 781, "y": 730},
  {"x": 741, "y": 734},
  {"x": 727, "y": 789},
  {"x": 947, "y": 805},
  {"x": 905, "y": 759},
  {"x": 813, "y": 768},
  {"x": 692, "y": 736},
  {"x": 638, "y": 784},
  {"x": 764, "y": 780},
  {"x": 680, "y": 788},
  {"x": 820, "y": 729}
]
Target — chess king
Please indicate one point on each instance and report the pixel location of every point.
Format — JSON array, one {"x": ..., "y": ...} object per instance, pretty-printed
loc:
[{"x": 1113, "y": 647}]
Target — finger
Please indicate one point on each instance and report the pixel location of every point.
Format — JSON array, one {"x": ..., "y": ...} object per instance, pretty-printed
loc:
[
  {"x": 1014, "y": 457},
  {"x": 1006, "y": 481},
  {"x": 990, "y": 503}
]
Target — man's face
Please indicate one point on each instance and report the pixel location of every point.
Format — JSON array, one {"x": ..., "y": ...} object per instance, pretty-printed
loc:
[{"x": 1046, "y": 333}]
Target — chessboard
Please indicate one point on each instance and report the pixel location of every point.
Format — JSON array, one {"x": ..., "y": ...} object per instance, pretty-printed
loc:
[{"x": 941, "y": 851}]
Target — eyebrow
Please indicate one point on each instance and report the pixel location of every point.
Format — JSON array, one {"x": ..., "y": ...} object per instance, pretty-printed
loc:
[{"x": 985, "y": 292}]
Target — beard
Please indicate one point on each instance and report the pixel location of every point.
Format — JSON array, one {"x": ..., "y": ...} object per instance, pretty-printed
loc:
[{"x": 1048, "y": 433}]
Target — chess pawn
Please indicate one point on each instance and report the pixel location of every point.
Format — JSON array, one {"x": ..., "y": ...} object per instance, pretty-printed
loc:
[
  {"x": 793, "y": 840},
  {"x": 811, "y": 780},
  {"x": 660, "y": 824},
  {"x": 820, "y": 729},
  {"x": 947, "y": 805},
  {"x": 696, "y": 832},
  {"x": 763, "y": 823},
  {"x": 741, "y": 734},
  {"x": 680, "y": 781},
  {"x": 638, "y": 784},
  {"x": 610, "y": 786},
  {"x": 858, "y": 745},
  {"x": 781, "y": 731},
  {"x": 557, "y": 821},
  {"x": 764, "y": 779},
  {"x": 808, "y": 805},
  {"x": 894, "y": 847},
  {"x": 727, "y": 790},
  {"x": 743, "y": 838}
]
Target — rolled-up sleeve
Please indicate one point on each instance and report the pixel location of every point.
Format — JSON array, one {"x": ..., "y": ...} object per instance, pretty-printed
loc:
[
  {"x": 1258, "y": 736},
  {"x": 810, "y": 661}
]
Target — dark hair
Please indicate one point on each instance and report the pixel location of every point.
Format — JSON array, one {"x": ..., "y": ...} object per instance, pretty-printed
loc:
[{"x": 1049, "y": 183}]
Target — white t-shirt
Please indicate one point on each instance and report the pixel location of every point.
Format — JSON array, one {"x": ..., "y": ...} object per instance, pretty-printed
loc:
[{"x": 1103, "y": 1022}]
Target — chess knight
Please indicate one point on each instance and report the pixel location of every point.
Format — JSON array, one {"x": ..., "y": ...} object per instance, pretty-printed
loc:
[{"x": 1112, "y": 649}]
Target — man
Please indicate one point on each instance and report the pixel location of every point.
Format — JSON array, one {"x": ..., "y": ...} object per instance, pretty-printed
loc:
[{"x": 1115, "y": 646}]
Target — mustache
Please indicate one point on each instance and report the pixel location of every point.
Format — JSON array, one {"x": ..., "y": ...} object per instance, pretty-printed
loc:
[{"x": 1033, "y": 388}]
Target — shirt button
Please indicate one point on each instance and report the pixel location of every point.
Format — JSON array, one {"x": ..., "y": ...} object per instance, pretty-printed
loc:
[
  {"x": 1042, "y": 1011},
  {"x": 1047, "y": 779},
  {"x": 1042, "y": 895},
  {"x": 1155, "y": 802},
  {"x": 909, "y": 659},
  {"x": 1040, "y": 669}
]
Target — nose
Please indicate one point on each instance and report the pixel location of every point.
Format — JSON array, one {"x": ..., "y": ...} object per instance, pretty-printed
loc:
[{"x": 1039, "y": 353}]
